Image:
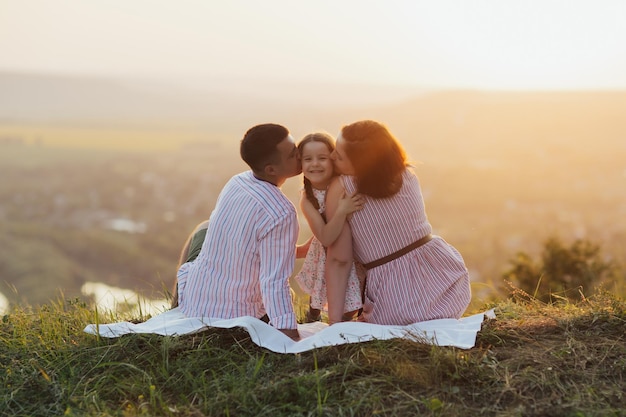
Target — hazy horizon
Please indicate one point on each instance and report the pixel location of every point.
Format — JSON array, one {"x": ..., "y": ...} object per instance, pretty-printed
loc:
[
  {"x": 111, "y": 109},
  {"x": 450, "y": 44}
]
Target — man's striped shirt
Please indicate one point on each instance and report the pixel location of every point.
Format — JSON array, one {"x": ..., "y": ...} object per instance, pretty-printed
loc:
[{"x": 247, "y": 257}]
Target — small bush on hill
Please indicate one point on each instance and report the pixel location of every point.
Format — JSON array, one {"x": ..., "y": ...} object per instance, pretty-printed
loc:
[{"x": 562, "y": 271}]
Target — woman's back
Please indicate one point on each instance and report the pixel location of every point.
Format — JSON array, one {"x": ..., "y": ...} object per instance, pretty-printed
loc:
[
  {"x": 385, "y": 225},
  {"x": 429, "y": 282}
]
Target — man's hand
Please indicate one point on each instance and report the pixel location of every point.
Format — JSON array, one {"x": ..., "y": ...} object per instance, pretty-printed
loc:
[{"x": 292, "y": 333}]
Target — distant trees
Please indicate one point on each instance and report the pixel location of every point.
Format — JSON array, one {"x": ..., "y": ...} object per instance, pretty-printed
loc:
[{"x": 562, "y": 271}]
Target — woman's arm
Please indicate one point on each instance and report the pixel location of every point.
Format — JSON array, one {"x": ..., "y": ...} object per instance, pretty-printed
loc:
[
  {"x": 338, "y": 258},
  {"x": 328, "y": 232}
]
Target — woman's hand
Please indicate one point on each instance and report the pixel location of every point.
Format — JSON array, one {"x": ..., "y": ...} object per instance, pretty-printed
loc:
[{"x": 367, "y": 311}]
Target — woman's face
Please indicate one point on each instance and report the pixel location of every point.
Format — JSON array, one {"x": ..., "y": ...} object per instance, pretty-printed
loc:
[{"x": 339, "y": 157}]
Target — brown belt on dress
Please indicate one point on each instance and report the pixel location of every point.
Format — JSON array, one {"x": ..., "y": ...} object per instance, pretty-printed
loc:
[{"x": 397, "y": 254}]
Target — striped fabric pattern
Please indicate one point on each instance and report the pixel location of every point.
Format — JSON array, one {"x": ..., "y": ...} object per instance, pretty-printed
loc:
[
  {"x": 430, "y": 282},
  {"x": 247, "y": 257}
]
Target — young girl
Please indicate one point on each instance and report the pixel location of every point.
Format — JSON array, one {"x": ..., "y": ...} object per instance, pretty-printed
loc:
[{"x": 317, "y": 167}]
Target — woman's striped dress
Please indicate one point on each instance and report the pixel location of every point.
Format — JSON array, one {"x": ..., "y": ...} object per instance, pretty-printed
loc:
[{"x": 430, "y": 282}]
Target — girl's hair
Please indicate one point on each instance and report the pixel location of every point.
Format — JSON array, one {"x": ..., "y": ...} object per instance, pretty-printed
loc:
[
  {"x": 327, "y": 140},
  {"x": 377, "y": 157}
]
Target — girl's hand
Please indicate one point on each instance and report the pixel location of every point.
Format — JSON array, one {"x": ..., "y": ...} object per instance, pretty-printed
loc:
[
  {"x": 301, "y": 250},
  {"x": 350, "y": 203},
  {"x": 304, "y": 200},
  {"x": 302, "y": 196}
]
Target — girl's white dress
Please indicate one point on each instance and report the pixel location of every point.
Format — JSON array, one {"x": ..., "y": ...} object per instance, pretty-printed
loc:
[{"x": 311, "y": 276}]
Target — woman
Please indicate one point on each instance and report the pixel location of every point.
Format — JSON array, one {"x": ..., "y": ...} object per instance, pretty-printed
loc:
[{"x": 412, "y": 276}]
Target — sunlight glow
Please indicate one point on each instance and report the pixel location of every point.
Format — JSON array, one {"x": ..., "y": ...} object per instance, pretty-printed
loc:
[
  {"x": 522, "y": 45},
  {"x": 548, "y": 44}
]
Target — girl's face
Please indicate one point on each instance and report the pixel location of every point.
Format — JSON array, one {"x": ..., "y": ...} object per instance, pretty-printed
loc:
[
  {"x": 317, "y": 166},
  {"x": 339, "y": 157}
]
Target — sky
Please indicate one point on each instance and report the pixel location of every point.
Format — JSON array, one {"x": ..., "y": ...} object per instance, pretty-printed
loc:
[{"x": 478, "y": 44}]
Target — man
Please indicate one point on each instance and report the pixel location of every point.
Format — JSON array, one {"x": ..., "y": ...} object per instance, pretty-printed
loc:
[{"x": 248, "y": 254}]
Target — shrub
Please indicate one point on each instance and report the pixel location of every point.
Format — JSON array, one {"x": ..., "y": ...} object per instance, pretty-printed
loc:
[{"x": 561, "y": 272}]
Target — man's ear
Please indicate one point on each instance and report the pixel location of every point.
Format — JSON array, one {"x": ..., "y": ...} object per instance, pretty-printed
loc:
[{"x": 270, "y": 170}]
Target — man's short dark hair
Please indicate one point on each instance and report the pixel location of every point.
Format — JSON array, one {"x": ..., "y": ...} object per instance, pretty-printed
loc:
[{"x": 258, "y": 146}]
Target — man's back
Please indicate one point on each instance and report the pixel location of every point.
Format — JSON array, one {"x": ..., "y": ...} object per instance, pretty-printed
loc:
[{"x": 247, "y": 257}]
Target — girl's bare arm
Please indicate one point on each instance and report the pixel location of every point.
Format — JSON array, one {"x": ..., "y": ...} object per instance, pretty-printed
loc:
[
  {"x": 339, "y": 259},
  {"x": 328, "y": 232}
]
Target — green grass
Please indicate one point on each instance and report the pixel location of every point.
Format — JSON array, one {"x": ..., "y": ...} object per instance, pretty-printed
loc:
[{"x": 534, "y": 359}]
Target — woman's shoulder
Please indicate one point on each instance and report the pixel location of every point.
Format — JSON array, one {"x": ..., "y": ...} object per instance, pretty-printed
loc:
[
  {"x": 336, "y": 183},
  {"x": 335, "y": 189},
  {"x": 409, "y": 170},
  {"x": 348, "y": 182},
  {"x": 410, "y": 174}
]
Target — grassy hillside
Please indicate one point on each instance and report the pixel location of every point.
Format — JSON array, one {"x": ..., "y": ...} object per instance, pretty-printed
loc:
[{"x": 534, "y": 359}]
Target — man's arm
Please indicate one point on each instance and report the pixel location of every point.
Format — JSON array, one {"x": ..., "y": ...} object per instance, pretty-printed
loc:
[{"x": 277, "y": 249}]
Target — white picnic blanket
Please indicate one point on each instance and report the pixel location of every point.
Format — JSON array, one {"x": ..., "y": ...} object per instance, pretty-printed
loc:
[{"x": 443, "y": 332}]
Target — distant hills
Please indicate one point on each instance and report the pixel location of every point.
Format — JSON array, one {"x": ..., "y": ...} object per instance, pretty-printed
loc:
[
  {"x": 426, "y": 116},
  {"x": 66, "y": 100},
  {"x": 488, "y": 124},
  {"x": 49, "y": 99}
]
